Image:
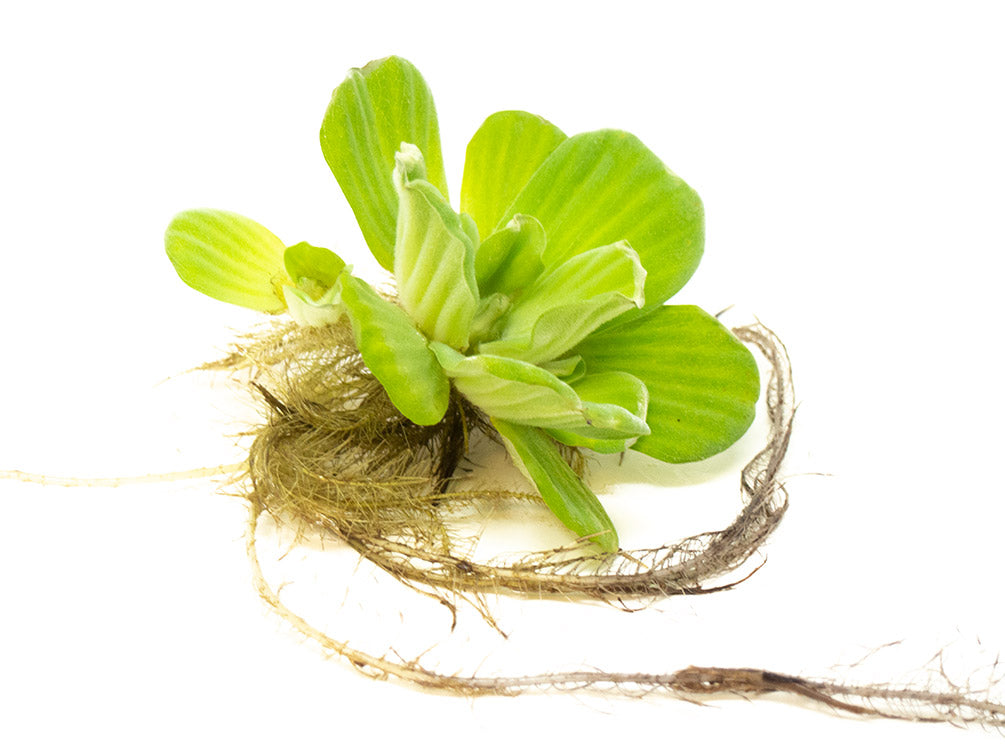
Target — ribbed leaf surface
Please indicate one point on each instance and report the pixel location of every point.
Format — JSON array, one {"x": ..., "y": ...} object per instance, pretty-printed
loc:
[
  {"x": 434, "y": 262},
  {"x": 613, "y": 394},
  {"x": 371, "y": 113},
  {"x": 501, "y": 157},
  {"x": 570, "y": 301},
  {"x": 605, "y": 186},
  {"x": 396, "y": 353},
  {"x": 228, "y": 257},
  {"x": 563, "y": 491},
  {"x": 512, "y": 390},
  {"x": 703, "y": 383}
]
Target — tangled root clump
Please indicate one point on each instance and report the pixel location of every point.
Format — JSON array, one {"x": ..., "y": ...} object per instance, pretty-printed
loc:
[{"x": 336, "y": 456}]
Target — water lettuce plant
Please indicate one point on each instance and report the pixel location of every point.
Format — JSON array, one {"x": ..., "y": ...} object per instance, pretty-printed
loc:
[{"x": 541, "y": 301}]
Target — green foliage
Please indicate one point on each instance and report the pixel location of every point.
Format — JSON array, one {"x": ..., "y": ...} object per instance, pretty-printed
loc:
[
  {"x": 572, "y": 502},
  {"x": 228, "y": 257},
  {"x": 702, "y": 381},
  {"x": 376, "y": 108},
  {"x": 541, "y": 302}
]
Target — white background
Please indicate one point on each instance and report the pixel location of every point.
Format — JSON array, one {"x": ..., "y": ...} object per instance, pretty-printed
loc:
[{"x": 850, "y": 157}]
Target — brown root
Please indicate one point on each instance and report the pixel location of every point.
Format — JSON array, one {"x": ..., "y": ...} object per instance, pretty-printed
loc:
[{"x": 336, "y": 456}]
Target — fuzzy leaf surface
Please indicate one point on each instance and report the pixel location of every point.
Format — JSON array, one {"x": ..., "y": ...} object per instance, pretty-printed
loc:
[
  {"x": 624, "y": 398},
  {"x": 603, "y": 186},
  {"x": 373, "y": 111},
  {"x": 569, "y": 302},
  {"x": 509, "y": 260},
  {"x": 703, "y": 383},
  {"x": 515, "y": 391},
  {"x": 228, "y": 257},
  {"x": 501, "y": 157},
  {"x": 512, "y": 390},
  {"x": 568, "y": 497},
  {"x": 319, "y": 266},
  {"x": 315, "y": 311},
  {"x": 434, "y": 258},
  {"x": 396, "y": 353}
]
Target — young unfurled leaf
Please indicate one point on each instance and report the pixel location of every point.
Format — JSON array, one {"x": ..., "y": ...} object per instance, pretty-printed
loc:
[
  {"x": 563, "y": 491},
  {"x": 510, "y": 259},
  {"x": 371, "y": 113},
  {"x": 312, "y": 267},
  {"x": 569, "y": 302},
  {"x": 228, "y": 257},
  {"x": 703, "y": 383},
  {"x": 599, "y": 187},
  {"x": 315, "y": 311},
  {"x": 316, "y": 299},
  {"x": 486, "y": 323},
  {"x": 396, "y": 353},
  {"x": 501, "y": 157},
  {"x": 434, "y": 257}
]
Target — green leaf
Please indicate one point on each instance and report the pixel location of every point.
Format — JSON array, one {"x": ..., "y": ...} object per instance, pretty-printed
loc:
[
  {"x": 318, "y": 266},
  {"x": 228, "y": 257},
  {"x": 371, "y": 113},
  {"x": 518, "y": 392},
  {"x": 396, "y": 353},
  {"x": 599, "y": 187},
  {"x": 510, "y": 259},
  {"x": 501, "y": 157},
  {"x": 315, "y": 311},
  {"x": 486, "y": 323},
  {"x": 623, "y": 398},
  {"x": 703, "y": 383},
  {"x": 569, "y": 302},
  {"x": 316, "y": 299},
  {"x": 512, "y": 390},
  {"x": 434, "y": 258},
  {"x": 570, "y": 369},
  {"x": 563, "y": 491}
]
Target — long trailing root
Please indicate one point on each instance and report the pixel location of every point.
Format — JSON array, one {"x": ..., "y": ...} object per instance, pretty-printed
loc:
[
  {"x": 950, "y": 704},
  {"x": 362, "y": 472},
  {"x": 51, "y": 480}
]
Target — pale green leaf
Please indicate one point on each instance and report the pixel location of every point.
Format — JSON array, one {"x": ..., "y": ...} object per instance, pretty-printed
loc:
[
  {"x": 512, "y": 390},
  {"x": 518, "y": 392},
  {"x": 510, "y": 259},
  {"x": 486, "y": 323},
  {"x": 501, "y": 157},
  {"x": 315, "y": 311},
  {"x": 228, "y": 257},
  {"x": 703, "y": 383},
  {"x": 470, "y": 229},
  {"x": 600, "y": 187},
  {"x": 434, "y": 258},
  {"x": 312, "y": 266},
  {"x": 569, "y": 302},
  {"x": 570, "y": 369},
  {"x": 315, "y": 299},
  {"x": 620, "y": 396},
  {"x": 371, "y": 113},
  {"x": 572, "y": 502},
  {"x": 396, "y": 353}
]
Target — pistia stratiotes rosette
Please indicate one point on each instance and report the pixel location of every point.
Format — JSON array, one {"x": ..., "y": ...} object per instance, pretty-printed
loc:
[{"x": 541, "y": 301}]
